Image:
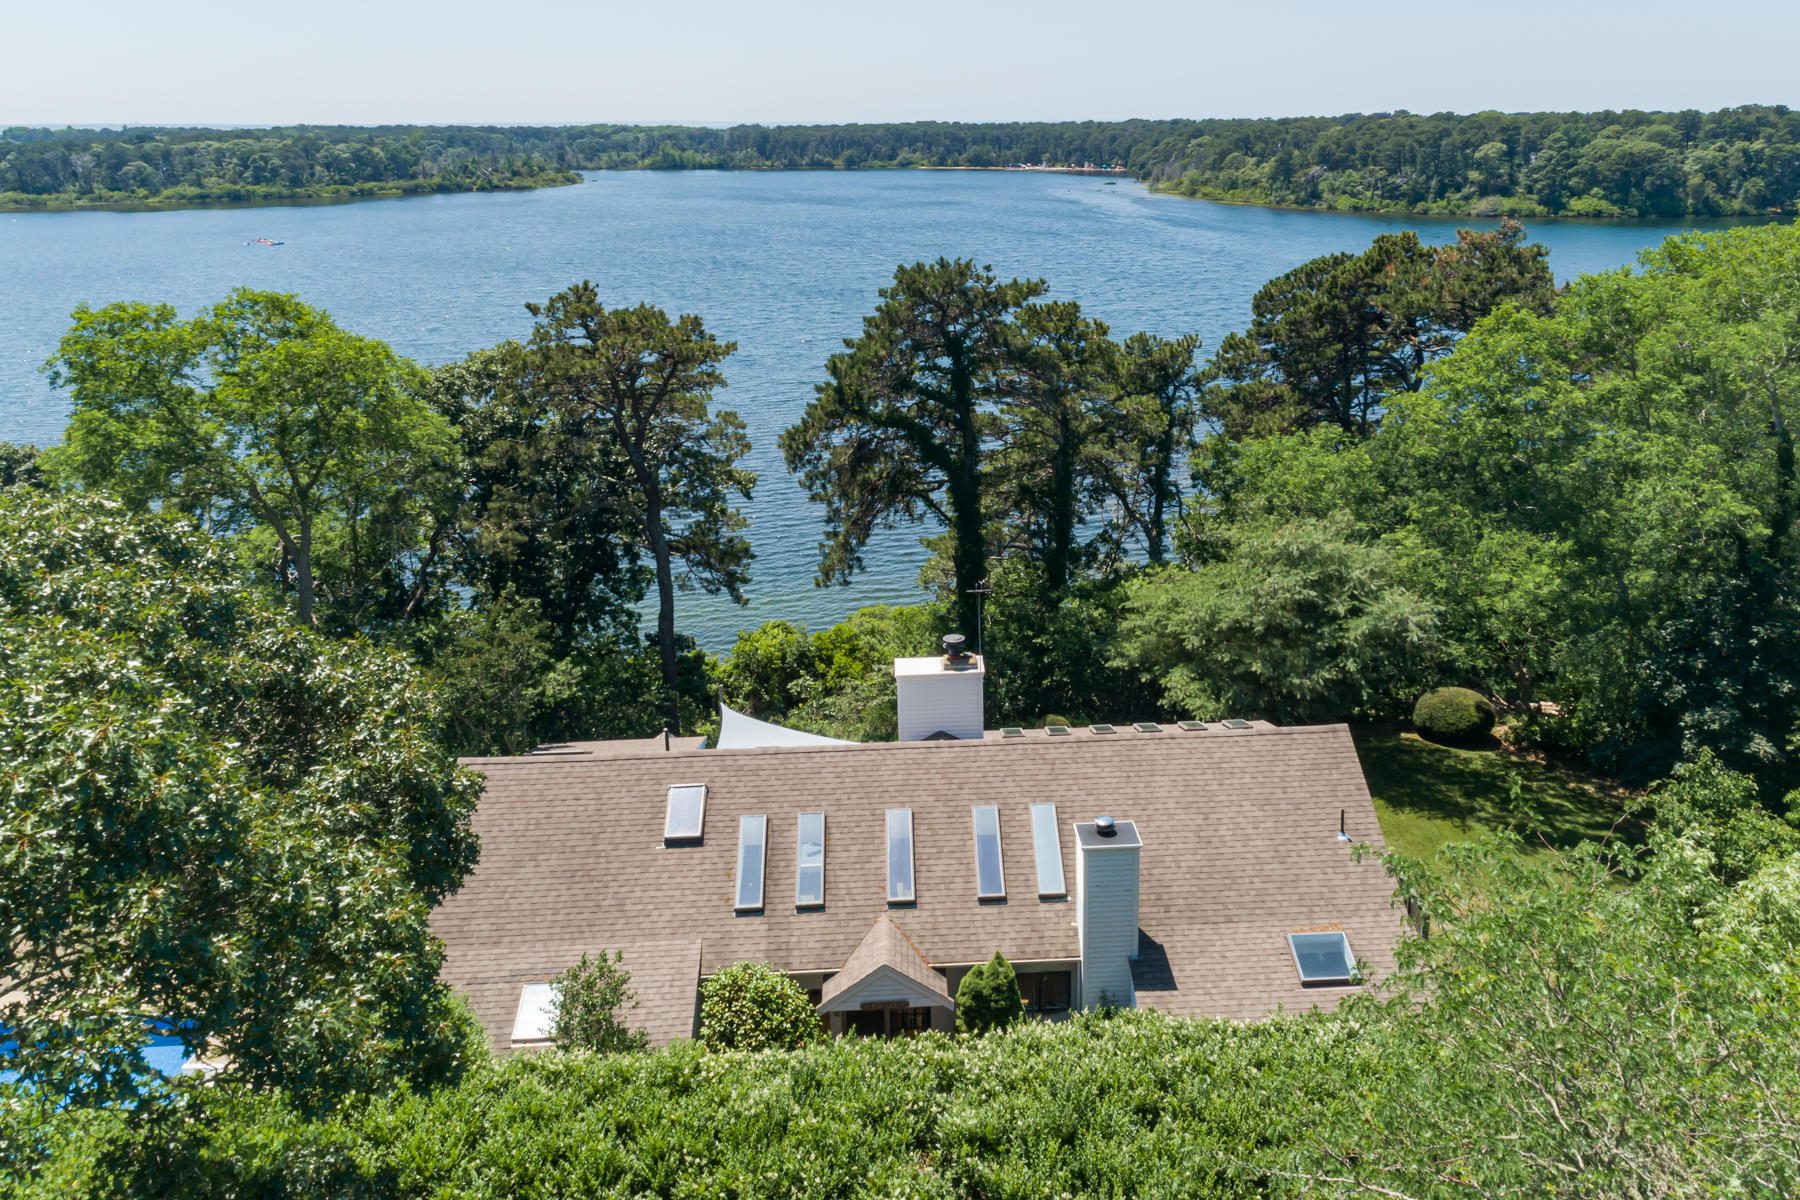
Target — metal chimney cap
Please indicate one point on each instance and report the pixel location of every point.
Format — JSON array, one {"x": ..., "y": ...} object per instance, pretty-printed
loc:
[
  {"x": 1104, "y": 826},
  {"x": 954, "y": 654}
]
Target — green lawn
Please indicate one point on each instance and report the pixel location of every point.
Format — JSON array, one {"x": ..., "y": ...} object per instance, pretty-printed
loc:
[{"x": 1426, "y": 795}]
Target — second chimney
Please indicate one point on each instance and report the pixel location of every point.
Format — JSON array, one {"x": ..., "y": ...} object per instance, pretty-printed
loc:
[{"x": 941, "y": 698}]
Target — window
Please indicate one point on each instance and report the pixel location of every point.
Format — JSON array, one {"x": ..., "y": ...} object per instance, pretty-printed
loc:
[
  {"x": 753, "y": 838},
  {"x": 809, "y": 872},
  {"x": 1101, "y": 728},
  {"x": 687, "y": 813},
  {"x": 1191, "y": 726},
  {"x": 1323, "y": 959},
  {"x": 537, "y": 1013},
  {"x": 1057, "y": 730},
  {"x": 990, "y": 872},
  {"x": 900, "y": 856},
  {"x": 1046, "y": 843},
  {"x": 1045, "y": 991},
  {"x": 1147, "y": 727}
]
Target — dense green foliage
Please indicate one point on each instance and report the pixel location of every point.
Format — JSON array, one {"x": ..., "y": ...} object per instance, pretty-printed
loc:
[
  {"x": 215, "y": 821},
  {"x": 261, "y": 417},
  {"x": 1332, "y": 339},
  {"x": 592, "y": 1000},
  {"x": 1735, "y": 161},
  {"x": 643, "y": 384},
  {"x": 1616, "y": 1023},
  {"x": 752, "y": 1006},
  {"x": 1599, "y": 503},
  {"x": 988, "y": 997},
  {"x": 1299, "y": 623},
  {"x": 1453, "y": 714},
  {"x": 19, "y": 466}
]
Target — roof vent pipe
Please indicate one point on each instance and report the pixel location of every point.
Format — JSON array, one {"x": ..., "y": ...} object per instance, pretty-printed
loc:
[
  {"x": 1343, "y": 834},
  {"x": 1104, "y": 826}
]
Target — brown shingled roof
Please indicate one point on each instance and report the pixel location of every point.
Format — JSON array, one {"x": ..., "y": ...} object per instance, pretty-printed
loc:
[
  {"x": 885, "y": 945},
  {"x": 1240, "y": 847}
]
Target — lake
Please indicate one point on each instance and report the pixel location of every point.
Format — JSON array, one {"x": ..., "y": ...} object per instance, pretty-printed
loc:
[{"x": 784, "y": 264}]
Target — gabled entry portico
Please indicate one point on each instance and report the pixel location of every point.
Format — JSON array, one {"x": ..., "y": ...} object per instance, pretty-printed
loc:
[{"x": 886, "y": 988}]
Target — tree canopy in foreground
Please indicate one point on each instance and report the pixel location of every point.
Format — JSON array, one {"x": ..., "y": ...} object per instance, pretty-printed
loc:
[{"x": 216, "y": 824}]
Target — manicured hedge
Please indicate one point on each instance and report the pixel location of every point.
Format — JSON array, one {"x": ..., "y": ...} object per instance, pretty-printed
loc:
[{"x": 1453, "y": 714}]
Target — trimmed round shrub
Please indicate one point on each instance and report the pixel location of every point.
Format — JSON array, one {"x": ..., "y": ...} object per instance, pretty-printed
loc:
[
  {"x": 1453, "y": 714},
  {"x": 752, "y": 1006}
]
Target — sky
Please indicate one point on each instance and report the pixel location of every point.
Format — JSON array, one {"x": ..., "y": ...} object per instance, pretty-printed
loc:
[{"x": 207, "y": 62}]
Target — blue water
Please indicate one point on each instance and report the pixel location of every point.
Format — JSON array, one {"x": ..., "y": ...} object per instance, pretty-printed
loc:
[{"x": 783, "y": 264}]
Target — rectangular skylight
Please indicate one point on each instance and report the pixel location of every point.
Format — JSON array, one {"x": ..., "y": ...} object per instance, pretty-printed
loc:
[
  {"x": 900, "y": 856},
  {"x": 1046, "y": 843},
  {"x": 1237, "y": 723},
  {"x": 990, "y": 872},
  {"x": 753, "y": 840},
  {"x": 1057, "y": 730},
  {"x": 687, "y": 813},
  {"x": 1012, "y": 731},
  {"x": 1323, "y": 959},
  {"x": 1101, "y": 728},
  {"x": 1191, "y": 726},
  {"x": 1147, "y": 727},
  {"x": 537, "y": 1013},
  {"x": 809, "y": 872}
]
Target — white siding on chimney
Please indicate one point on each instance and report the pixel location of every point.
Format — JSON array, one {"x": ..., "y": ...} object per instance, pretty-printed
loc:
[
  {"x": 1106, "y": 917},
  {"x": 932, "y": 698}
]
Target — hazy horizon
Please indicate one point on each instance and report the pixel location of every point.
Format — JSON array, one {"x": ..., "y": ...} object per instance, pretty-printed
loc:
[{"x": 802, "y": 62}]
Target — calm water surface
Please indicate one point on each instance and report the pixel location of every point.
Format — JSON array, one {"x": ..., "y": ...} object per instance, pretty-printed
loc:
[{"x": 785, "y": 265}]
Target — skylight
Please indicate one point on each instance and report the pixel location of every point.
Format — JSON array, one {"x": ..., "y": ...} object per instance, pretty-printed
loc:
[
  {"x": 1046, "y": 843},
  {"x": 537, "y": 1013},
  {"x": 687, "y": 813},
  {"x": 1101, "y": 728},
  {"x": 1191, "y": 726},
  {"x": 809, "y": 873},
  {"x": 753, "y": 838},
  {"x": 900, "y": 856},
  {"x": 990, "y": 873},
  {"x": 1057, "y": 730},
  {"x": 1323, "y": 959}
]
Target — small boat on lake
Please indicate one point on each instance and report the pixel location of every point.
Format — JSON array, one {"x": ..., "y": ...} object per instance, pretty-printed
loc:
[{"x": 263, "y": 242}]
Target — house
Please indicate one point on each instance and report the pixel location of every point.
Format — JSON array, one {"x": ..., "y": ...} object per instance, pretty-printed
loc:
[{"x": 1201, "y": 869}]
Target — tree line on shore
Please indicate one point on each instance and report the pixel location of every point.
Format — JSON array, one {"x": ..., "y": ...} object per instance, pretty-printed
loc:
[{"x": 1736, "y": 161}]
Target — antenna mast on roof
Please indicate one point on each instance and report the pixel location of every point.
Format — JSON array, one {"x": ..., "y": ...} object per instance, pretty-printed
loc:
[{"x": 978, "y": 591}]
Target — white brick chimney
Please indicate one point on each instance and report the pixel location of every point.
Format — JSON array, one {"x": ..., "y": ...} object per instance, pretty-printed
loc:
[
  {"x": 1106, "y": 908},
  {"x": 942, "y": 695}
]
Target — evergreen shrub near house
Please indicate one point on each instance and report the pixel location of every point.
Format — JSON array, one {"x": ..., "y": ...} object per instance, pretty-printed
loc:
[
  {"x": 1453, "y": 714},
  {"x": 592, "y": 998},
  {"x": 752, "y": 1006},
  {"x": 988, "y": 997}
]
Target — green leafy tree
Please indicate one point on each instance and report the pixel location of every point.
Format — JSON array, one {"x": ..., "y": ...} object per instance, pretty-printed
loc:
[
  {"x": 19, "y": 466},
  {"x": 1331, "y": 340},
  {"x": 1149, "y": 432},
  {"x": 988, "y": 997},
  {"x": 769, "y": 667},
  {"x": 1298, "y": 623},
  {"x": 752, "y": 1006},
  {"x": 1044, "y": 477},
  {"x": 550, "y": 515},
  {"x": 646, "y": 383},
  {"x": 218, "y": 824},
  {"x": 902, "y": 428},
  {"x": 260, "y": 416},
  {"x": 592, "y": 1000},
  {"x": 1603, "y": 1026}
]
